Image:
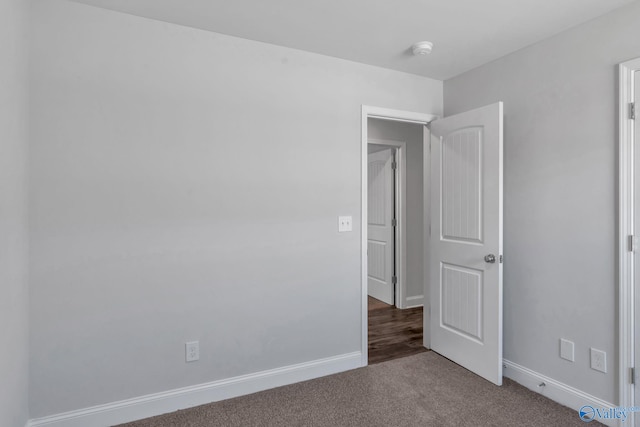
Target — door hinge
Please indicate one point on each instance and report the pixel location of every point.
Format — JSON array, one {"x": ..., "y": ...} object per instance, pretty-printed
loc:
[
  {"x": 394, "y": 165},
  {"x": 632, "y": 375},
  {"x": 394, "y": 222},
  {"x": 394, "y": 280},
  {"x": 632, "y": 110},
  {"x": 631, "y": 244}
]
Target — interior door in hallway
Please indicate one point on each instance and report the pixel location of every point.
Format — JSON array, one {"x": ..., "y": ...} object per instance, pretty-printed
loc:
[{"x": 380, "y": 243}]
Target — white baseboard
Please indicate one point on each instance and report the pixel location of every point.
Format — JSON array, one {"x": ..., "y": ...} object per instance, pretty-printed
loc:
[
  {"x": 555, "y": 390},
  {"x": 187, "y": 397},
  {"x": 417, "y": 301}
]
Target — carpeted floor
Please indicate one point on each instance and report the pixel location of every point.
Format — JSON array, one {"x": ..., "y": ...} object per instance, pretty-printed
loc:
[{"x": 421, "y": 390}]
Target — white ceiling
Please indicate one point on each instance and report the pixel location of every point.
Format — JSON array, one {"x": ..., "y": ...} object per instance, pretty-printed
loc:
[{"x": 466, "y": 33}]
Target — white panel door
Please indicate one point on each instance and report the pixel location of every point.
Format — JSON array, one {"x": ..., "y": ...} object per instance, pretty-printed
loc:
[
  {"x": 380, "y": 230},
  {"x": 466, "y": 240}
]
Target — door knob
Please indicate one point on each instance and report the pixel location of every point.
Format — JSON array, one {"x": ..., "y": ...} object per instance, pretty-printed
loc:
[{"x": 491, "y": 258}]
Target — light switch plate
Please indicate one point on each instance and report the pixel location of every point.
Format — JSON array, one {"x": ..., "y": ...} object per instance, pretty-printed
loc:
[{"x": 345, "y": 223}]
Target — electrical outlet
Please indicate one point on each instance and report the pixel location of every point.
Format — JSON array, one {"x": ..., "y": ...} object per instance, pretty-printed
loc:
[
  {"x": 192, "y": 351},
  {"x": 566, "y": 350},
  {"x": 598, "y": 360},
  {"x": 345, "y": 223}
]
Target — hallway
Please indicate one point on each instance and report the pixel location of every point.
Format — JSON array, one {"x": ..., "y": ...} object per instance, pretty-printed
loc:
[{"x": 393, "y": 333}]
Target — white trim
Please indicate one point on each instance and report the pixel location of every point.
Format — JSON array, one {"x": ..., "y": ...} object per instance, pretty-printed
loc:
[
  {"x": 400, "y": 201},
  {"x": 426, "y": 237},
  {"x": 385, "y": 114},
  {"x": 187, "y": 397},
  {"x": 626, "y": 306},
  {"x": 398, "y": 115},
  {"x": 557, "y": 391},
  {"x": 417, "y": 301}
]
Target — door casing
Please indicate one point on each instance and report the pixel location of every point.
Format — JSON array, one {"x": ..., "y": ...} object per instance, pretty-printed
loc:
[{"x": 627, "y": 236}]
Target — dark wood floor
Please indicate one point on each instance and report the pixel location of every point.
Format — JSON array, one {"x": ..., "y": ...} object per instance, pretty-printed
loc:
[{"x": 393, "y": 333}]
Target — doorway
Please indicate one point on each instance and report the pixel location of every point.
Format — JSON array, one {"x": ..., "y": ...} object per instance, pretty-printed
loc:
[
  {"x": 461, "y": 234},
  {"x": 395, "y": 207}
]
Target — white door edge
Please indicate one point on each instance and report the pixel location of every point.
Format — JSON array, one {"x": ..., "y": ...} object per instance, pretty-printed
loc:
[
  {"x": 385, "y": 114},
  {"x": 426, "y": 227}
]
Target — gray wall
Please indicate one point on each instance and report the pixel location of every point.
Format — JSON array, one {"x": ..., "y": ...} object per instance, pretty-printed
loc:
[
  {"x": 14, "y": 304},
  {"x": 412, "y": 135},
  {"x": 185, "y": 185},
  {"x": 560, "y": 100}
]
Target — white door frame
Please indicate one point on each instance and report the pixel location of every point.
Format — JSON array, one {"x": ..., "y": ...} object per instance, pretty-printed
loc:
[
  {"x": 626, "y": 305},
  {"x": 398, "y": 116},
  {"x": 400, "y": 236}
]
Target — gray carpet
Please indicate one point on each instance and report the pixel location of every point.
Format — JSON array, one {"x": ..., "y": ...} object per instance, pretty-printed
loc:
[{"x": 421, "y": 390}]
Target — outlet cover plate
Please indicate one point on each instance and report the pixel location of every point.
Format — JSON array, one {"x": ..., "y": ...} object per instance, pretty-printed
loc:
[
  {"x": 567, "y": 350},
  {"x": 598, "y": 360},
  {"x": 191, "y": 351}
]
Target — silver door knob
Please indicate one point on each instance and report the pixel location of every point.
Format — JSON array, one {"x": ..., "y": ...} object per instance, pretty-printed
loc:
[{"x": 491, "y": 258}]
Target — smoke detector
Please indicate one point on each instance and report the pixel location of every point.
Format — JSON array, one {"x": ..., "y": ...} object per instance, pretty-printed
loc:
[{"x": 422, "y": 48}]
